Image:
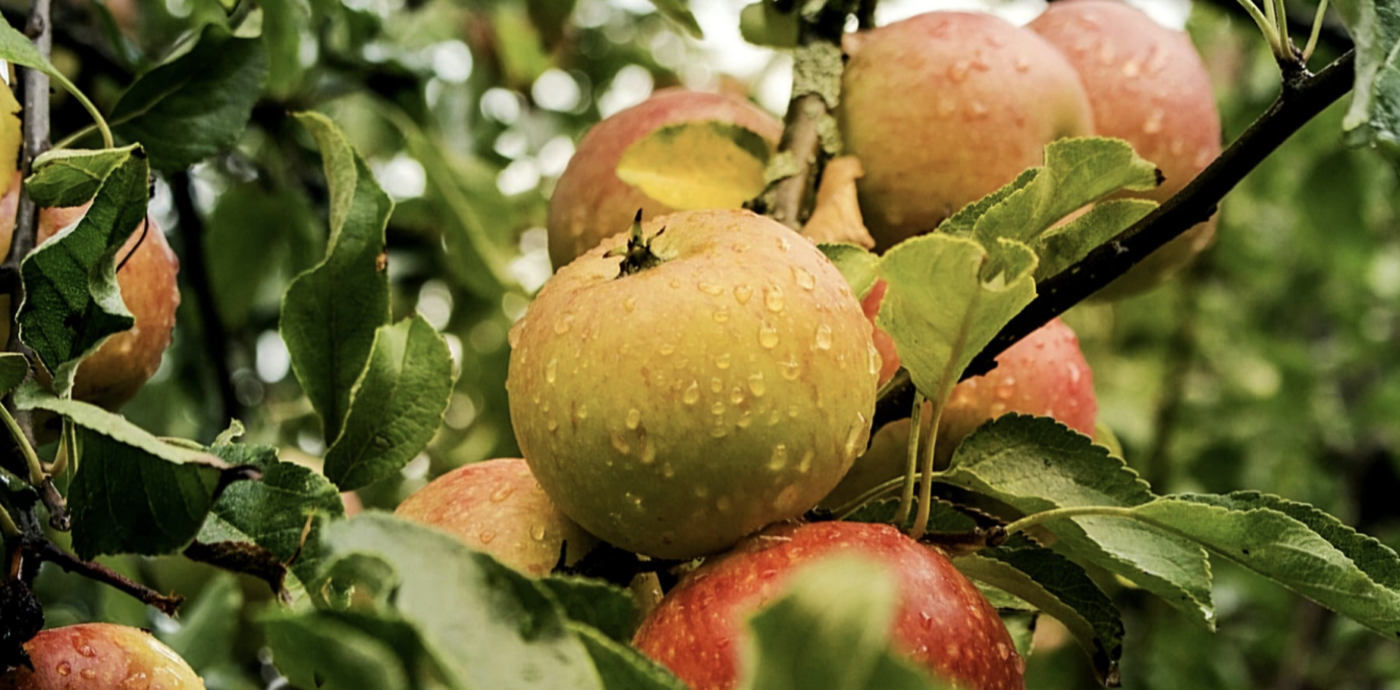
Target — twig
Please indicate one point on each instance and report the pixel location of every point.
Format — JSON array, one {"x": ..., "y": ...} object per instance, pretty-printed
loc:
[
  {"x": 46, "y": 550},
  {"x": 865, "y": 14},
  {"x": 1301, "y": 99},
  {"x": 197, "y": 274}
]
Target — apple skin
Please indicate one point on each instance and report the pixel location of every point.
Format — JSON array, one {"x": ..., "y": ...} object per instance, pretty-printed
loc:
[
  {"x": 884, "y": 344},
  {"x": 1044, "y": 374},
  {"x": 590, "y": 203},
  {"x": 946, "y": 107},
  {"x": 101, "y": 655},
  {"x": 1148, "y": 86},
  {"x": 673, "y": 411},
  {"x": 943, "y": 622},
  {"x": 496, "y": 506}
]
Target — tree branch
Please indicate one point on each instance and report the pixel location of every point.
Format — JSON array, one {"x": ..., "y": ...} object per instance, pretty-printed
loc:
[
  {"x": 1300, "y": 100},
  {"x": 46, "y": 550}
]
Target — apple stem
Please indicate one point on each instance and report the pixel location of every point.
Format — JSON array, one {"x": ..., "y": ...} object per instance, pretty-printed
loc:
[
  {"x": 906, "y": 499},
  {"x": 926, "y": 484},
  {"x": 638, "y": 257},
  {"x": 851, "y": 506},
  {"x": 31, "y": 459},
  {"x": 1316, "y": 30},
  {"x": 8, "y": 528}
]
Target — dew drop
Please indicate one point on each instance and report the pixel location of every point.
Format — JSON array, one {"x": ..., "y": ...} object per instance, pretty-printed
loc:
[
  {"x": 717, "y": 408},
  {"x": 692, "y": 393},
  {"x": 716, "y": 385},
  {"x": 84, "y": 649},
  {"x": 779, "y": 459},
  {"x": 946, "y": 107},
  {"x": 976, "y": 110},
  {"x": 773, "y": 298},
  {"x": 853, "y": 436},
  {"x": 742, "y": 293},
  {"x": 1153, "y": 124},
  {"x": 756, "y": 385},
  {"x": 1132, "y": 68},
  {"x": 1021, "y": 64},
  {"x": 64, "y": 668},
  {"x": 736, "y": 395},
  {"x": 630, "y": 304},
  {"x": 793, "y": 411},
  {"x": 648, "y": 454},
  {"x": 720, "y": 315},
  {"x": 563, "y": 325},
  {"x": 537, "y": 532},
  {"x": 1004, "y": 392},
  {"x": 582, "y": 412},
  {"x": 745, "y": 419},
  {"x": 502, "y": 494},
  {"x": 634, "y": 418},
  {"x": 767, "y": 336},
  {"x": 791, "y": 369},
  {"x": 1178, "y": 146},
  {"x": 823, "y": 337},
  {"x": 88, "y": 674},
  {"x": 784, "y": 244},
  {"x": 710, "y": 288},
  {"x": 925, "y": 621},
  {"x": 136, "y": 681},
  {"x": 552, "y": 424},
  {"x": 958, "y": 71},
  {"x": 739, "y": 247},
  {"x": 805, "y": 465},
  {"x": 804, "y": 278},
  {"x": 620, "y": 443},
  {"x": 666, "y": 348},
  {"x": 551, "y": 369},
  {"x": 718, "y": 431},
  {"x": 1074, "y": 373},
  {"x": 722, "y": 361}
]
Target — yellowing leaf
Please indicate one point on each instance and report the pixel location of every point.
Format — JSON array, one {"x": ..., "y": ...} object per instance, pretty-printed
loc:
[
  {"x": 10, "y": 137},
  {"x": 695, "y": 165},
  {"x": 836, "y": 217}
]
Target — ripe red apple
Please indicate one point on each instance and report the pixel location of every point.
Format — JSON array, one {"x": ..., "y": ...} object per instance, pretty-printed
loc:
[
  {"x": 100, "y": 656},
  {"x": 496, "y": 506},
  {"x": 676, "y": 409},
  {"x": 148, "y": 268},
  {"x": 945, "y": 108},
  {"x": 884, "y": 344},
  {"x": 1044, "y": 374},
  {"x": 1147, "y": 85},
  {"x": 943, "y": 621},
  {"x": 590, "y": 203}
]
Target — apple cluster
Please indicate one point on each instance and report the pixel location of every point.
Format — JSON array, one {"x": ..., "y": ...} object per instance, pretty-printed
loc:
[{"x": 692, "y": 387}]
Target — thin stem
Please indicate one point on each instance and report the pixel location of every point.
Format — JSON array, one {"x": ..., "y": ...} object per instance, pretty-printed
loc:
[
  {"x": 74, "y": 137},
  {"x": 97, "y": 119},
  {"x": 46, "y": 550},
  {"x": 906, "y": 499},
  {"x": 1269, "y": 12},
  {"x": 1075, "y": 511},
  {"x": 1316, "y": 30},
  {"x": 926, "y": 485},
  {"x": 8, "y": 528},
  {"x": 1265, "y": 23},
  {"x": 31, "y": 459},
  {"x": 851, "y": 506},
  {"x": 65, "y": 449}
]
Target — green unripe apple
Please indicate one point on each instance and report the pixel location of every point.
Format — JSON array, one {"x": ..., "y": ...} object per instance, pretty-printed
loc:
[
  {"x": 1148, "y": 86},
  {"x": 496, "y": 506},
  {"x": 725, "y": 385},
  {"x": 100, "y": 656},
  {"x": 945, "y": 108}
]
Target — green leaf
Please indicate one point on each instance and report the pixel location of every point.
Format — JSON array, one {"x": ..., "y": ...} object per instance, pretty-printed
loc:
[
  {"x": 69, "y": 177},
  {"x": 331, "y": 312},
  {"x": 313, "y": 646},
  {"x": 830, "y": 630},
  {"x": 196, "y": 105},
  {"x": 276, "y": 511},
  {"x": 1059, "y": 587},
  {"x": 396, "y": 406},
  {"x": 15, "y": 47},
  {"x": 678, "y": 11},
  {"x": 1061, "y": 247},
  {"x": 763, "y": 24},
  {"x": 72, "y": 302},
  {"x": 490, "y": 626},
  {"x": 1035, "y": 464},
  {"x": 255, "y": 237},
  {"x": 595, "y": 603},
  {"x": 13, "y": 368},
  {"x": 937, "y": 338},
  {"x": 1293, "y": 544},
  {"x": 1374, "y": 115},
  {"x": 283, "y": 24},
  {"x": 621, "y": 666},
  {"x": 856, "y": 265},
  {"x": 209, "y": 625},
  {"x": 32, "y": 396},
  {"x": 696, "y": 165}
]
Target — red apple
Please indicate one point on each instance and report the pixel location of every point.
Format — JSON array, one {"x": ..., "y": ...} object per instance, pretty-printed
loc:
[
  {"x": 1147, "y": 85},
  {"x": 590, "y": 203},
  {"x": 943, "y": 621},
  {"x": 100, "y": 656},
  {"x": 496, "y": 506}
]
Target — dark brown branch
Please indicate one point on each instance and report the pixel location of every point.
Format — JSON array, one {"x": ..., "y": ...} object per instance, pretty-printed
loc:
[
  {"x": 1301, "y": 99},
  {"x": 46, "y": 550},
  {"x": 197, "y": 276},
  {"x": 865, "y": 14}
]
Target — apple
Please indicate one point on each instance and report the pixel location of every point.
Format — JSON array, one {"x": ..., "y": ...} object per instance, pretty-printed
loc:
[
  {"x": 1148, "y": 86},
  {"x": 946, "y": 107},
  {"x": 724, "y": 382},
  {"x": 496, "y": 506},
  {"x": 1044, "y": 374},
  {"x": 943, "y": 622},
  {"x": 147, "y": 272},
  {"x": 100, "y": 655},
  {"x": 884, "y": 344},
  {"x": 590, "y": 203}
]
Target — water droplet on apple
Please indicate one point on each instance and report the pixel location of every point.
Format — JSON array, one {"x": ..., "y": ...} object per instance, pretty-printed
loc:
[
  {"x": 784, "y": 244},
  {"x": 1021, "y": 64},
  {"x": 88, "y": 673},
  {"x": 630, "y": 304},
  {"x": 666, "y": 349},
  {"x": 793, "y": 411},
  {"x": 563, "y": 325},
  {"x": 773, "y": 298},
  {"x": 581, "y": 412},
  {"x": 717, "y": 408},
  {"x": 63, "y": 668},
  {"x": 716, "y": 385},
  {"x": 550, "y": 370},
  {"x": 620, "y": 443},
  {"x": 722, "y": 361},
  {"x": 720, "y": 315},
  {"x": 803, "y": 278},
  {"x": 1074, "y": 373},
  {"x": 767, "y": 336},
  {"x": 692, "y": 393},
  {"x": 634, "y": 418},
  {"x": 791, "y": 369},
  {"x": 977, "y": 110},
  {"x": 502, "y": 494},
  {"x": 136, "y": 681},
  {"x": 945, "y": 107},
  {"x": 756, "y": 385},
  {"x": 925, "y": 621},
  {"x": 778, "y": 460},
  {"x": 823, "y": 337},
  {"x": 710, "y": 288},
  {"x": 745, "y": 419},
  {"x": 1153, "y": 124},
  {"x": 739, "y": 247},
  {"x": 958, "y": 71},
  {"x": 742, "y": 293},
  {"x": 736, "y": 395},
  {"x": 1132, "y": 68},
  {"x": 537, "y": 532},
  {"x": 718, "y": 430},
  {"x": 805, "y": 464}
]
